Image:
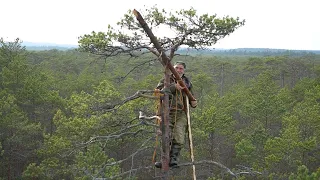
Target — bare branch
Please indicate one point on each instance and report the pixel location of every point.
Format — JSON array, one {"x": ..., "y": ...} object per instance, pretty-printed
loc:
[
  {"x": 115, "y": 136},
  {"x": 138, "y": 94},
  {"x": 143, "y": 147},
  {"x": 234, "y": 174},
  {"x": 248, "y": 171},
  {"x": 121, "y": 133},
  {"x": 133, "y": 126},
  {"x": 130, "y": 171},
  {"x": 209, "y": 162},
  {"x": 135, "y": 67}
]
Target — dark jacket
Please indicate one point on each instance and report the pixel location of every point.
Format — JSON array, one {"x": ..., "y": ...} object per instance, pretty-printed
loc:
[{"x": 177, "y": 99}]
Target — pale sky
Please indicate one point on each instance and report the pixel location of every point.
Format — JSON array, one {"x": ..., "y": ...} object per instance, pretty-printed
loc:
[{"x": 284, "y": 24}]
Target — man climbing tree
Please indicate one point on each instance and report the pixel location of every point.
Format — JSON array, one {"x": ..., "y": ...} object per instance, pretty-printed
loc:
[{"x": 178, "y": 112}]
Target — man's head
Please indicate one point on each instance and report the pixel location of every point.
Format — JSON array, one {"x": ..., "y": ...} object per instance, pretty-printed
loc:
[{"x": 180, "y": 67}]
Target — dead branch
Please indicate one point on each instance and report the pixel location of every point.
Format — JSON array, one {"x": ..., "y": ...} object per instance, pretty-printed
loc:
[
  {"x": 248, "y": 171},
  {"x": 234, "y": 174},
  {"x": 143, "y": 147},
  {"x": 143, "y": 122},
  {"x": 116, "y": 136},
  {"x": 121, "y": 123},
  {"x": 130, "y": 171},
  {"x": 107, "y": 107},
  {"x": 121, "y": 133},
  {"x": 135, "y": 67},
  {"x": 139, "y": 94},
  {"x": 209, "y": 162}
]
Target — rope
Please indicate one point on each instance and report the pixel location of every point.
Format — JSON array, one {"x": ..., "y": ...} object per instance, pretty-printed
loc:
[
  {"x": 175, "y": 120},
  {"x": 158, "y": 107},
  {"x": 176, "y": 112}
]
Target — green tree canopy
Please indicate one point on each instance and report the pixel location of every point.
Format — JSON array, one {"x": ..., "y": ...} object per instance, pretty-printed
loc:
[{"x": 189, "y": 29}]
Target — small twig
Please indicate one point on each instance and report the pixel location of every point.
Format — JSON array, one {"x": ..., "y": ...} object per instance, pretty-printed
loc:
[
  {"x": 188, "y": 164},
  {"x": 248, "y": 171},
  {"x": 122, "y": 78},
  {"x": 116, "y": 136},
  {"x": 138, "y": 94},
  {"x": 131, "y": 156},
  {"x": 131, "y": 170},
  {"x": 209, "y": 162}
]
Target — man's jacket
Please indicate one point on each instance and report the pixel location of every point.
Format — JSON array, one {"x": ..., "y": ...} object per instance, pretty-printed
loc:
[{"x": 177, "y": 99}]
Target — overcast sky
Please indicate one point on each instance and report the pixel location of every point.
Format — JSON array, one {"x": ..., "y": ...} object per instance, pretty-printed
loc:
[{"x": 281, "y": 24}]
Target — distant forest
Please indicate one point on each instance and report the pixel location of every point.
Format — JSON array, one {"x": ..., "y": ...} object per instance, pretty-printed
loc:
[
  {"x": 63, "y": 116},
  {"x": 251, "y": 52},
  {"x": 186, "y": 51}
]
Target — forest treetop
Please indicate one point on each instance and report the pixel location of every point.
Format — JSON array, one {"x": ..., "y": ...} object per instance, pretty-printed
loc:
[{"x": 189, "y": 29}]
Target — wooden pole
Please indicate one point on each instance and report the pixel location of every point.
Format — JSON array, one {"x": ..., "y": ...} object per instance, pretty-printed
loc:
[
  {"x": 190, "y": 140},
  {"x": 164, "y": 58}
]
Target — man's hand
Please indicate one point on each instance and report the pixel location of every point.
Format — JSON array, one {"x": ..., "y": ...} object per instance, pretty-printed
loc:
[
  {"x": 194, "y": 103},
  {"x": 178, "y": 87}
]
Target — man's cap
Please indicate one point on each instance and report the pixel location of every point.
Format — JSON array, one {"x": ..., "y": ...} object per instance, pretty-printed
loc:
[{"x": 182, "y": 63}]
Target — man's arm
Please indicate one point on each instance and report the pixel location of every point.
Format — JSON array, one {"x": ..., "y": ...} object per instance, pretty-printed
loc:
[
  {"x": 193, "y": 104},
  {"x": 172, "y": 87}
]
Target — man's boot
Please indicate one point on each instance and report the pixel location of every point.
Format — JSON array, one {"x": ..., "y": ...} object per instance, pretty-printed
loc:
[
  {"x": 174, "y": 154},
  {"x": 158, "y": 164}
]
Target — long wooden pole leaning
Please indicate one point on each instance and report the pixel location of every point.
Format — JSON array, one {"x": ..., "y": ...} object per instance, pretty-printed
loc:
[
  {"x": 165, "y": 122},
  {"x": 164, "y": 58},
  {"x": 190, "y": 141}
]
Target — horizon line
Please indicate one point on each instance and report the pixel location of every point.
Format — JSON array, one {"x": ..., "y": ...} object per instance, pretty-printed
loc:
[{"x": 48, "y": 44}]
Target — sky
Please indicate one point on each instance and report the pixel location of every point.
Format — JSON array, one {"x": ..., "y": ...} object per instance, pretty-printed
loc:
[{"x": 280, "y": 24}]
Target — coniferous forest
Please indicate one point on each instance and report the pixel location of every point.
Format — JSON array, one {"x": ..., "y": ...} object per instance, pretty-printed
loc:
[{"x": 71, "y": 115}]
